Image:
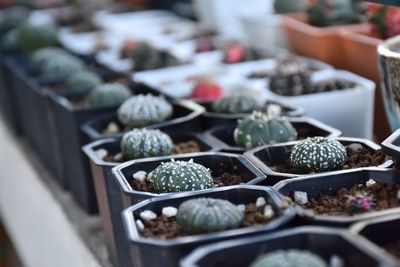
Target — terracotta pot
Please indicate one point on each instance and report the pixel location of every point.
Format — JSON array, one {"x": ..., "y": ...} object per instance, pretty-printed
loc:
[{"x": 323, "y": 43}]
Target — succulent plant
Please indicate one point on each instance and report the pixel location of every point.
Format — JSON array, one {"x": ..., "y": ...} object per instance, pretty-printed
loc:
[
  {"x": 289, "y": 6},
  {"x": 109, "y": 94},
  {"x": 12, "y": 17},
  {"x": 160, "y": 59},
  {"x": 83, "y": 81},
  {"x": 207, "y": 90},
  {"x": 62, "y": 65},
  {"x": 143, "y": 143},
  {"x": 36, "y": 36},
  {"x": 261, "y": 129},
  {"x": 384, "y": 19},
  {"x": 205, "y": 215},
  {"x": 44, "y": 54},
  {"x": 318, "y": 154},
  {"x": 143, "y": 110},
  {"x": 289, "y": 258},
  {"x": 177, "y": 176},
  {"x": 291, "y": 81},
  {"x": 10, "y": 40},
  {"x": 235, "y": 52},
  {"x": 236, "y": 103}
]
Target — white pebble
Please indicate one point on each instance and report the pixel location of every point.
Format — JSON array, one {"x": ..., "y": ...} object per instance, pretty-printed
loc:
[
  {"x": 274, "y": 109},
  {"x": 140, "y": 176},
  {"x": 398, "y": 194},
  {"x": 112, "y": 128},
  {"x": 269, "y": 211},
  {"x": 148, "y": 215},
  {"x": 139, "y": 225},
  {"x": 118, "y": 157},
  {"x": 370, "y": 182},
  {"x": 260, "y": 202},
  {"x": 355, "y": 147},
  {"x": 300, "y": 197},
  {"x": 169, "y": 211},
  {"x": 242, "y": 207},
  {"x": 336, "y": 261},
  {"x": 102, "y": 153}
]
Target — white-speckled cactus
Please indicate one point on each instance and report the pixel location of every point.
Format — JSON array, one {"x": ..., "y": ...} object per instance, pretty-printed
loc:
[
  {"x": 144, "y": 110},
  {"x": 177, "y": 176},
  {"x": 261, "y": 129},
  {"x": 83, "y": 81},
  {"x": 143, "y": 143},
  {"x": 109, "y": 94},
  {"x": 62, "y": 64},
  {"x": 318, "y": 154},
  {"x": 236, "y": 103},
  {"x": 42, "y": 55},
  {"x": 289, "y": 258},
  {"x": 205, "y": 215}
]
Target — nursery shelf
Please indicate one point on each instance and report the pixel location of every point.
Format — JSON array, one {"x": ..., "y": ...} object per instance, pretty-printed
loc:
[{"x": 47, "y": 227}]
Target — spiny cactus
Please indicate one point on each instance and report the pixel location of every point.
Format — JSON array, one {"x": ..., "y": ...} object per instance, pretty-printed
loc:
[
  {"x": 261, "y": 129},
  {"x": 236, "y": 103},
  {"x": 110, "y": 94},
  {"x": 62, "y": 65},
  {"x": 42, "y": 55},
  {"x": 318, "y": 154},
  {"x": 143, "y": 143},
  {"x": 143, "y": 110},
  {"x": 83, "y": 81},
  {"x": 177, "y": 176},
  {"x": 291, "y": 81},
  {"x": 291, "y": 257},
  {"x": 205, "y": 215},
  {"x": 36, "y": 36}
]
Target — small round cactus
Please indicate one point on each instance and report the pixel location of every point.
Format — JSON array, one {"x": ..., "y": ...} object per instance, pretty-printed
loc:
[
  {"x": 289, "y": 258},
  {"x": 318, "y": 154},
  {"x": 109, "y": 94},
  {"x": 177, "y": 176},
  {"x": 63, "y": 65},
  {"x": 261, "y": 129},
  {"x": 83, "y": 81},
  {"x": 35, "y": 36},
  {"x": 143, "y": 110},
  {"x": 42, "y": 55},
  {"x": 207, "y": 90},
  {"x": 237, "y": 103},
  {"x": 205, "y": 215},
  {"x": 143, "y": 143}
]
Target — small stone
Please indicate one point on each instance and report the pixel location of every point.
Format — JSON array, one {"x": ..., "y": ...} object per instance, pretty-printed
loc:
[
  {"x": 260, "y": 202},
  {"x": 169, "y": 211},
  {"x": 242, "y": 207},
  {"x": 370, "y": 182},
  {"x": 274, "y": 109},
  {"x": 140, "y": 176},
  {"x": 269, "y": 211},
  {"x": 148, "y": 215},
  {"x": 336, "y": 261},
  {"x": 398, "y": 194},
  {"x": 139, "y": 225},
  {"x": 118, "y": 157},
  {"x": 300, "y": 197},
  {"x": 112, "y": 128},
  {"x": 355, "y": 147},
  {"x": 102, "y": 153}
]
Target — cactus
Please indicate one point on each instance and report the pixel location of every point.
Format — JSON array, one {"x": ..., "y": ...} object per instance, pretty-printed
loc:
[
  {"x": 177, "y": 176},
  {"x": 160, "y": 59},
  {"x": 143, "y": 110},
  {"x": 10, "y": 40},
  {"x": 143, "y": 143},
  {"x": 237, "y": 103},
  {"x": 289, "y": 258},
  {"x": 291, "y": 80},
  {"x": 205, "y": 215},
  {"x": 318, "y": 154},
  {"x": 35, "y": 36},
  {"x": 261, "y": 129},
  {"x": 42, "y": 55},
  {"x": 110, "y": 94},
  {"x": 207, "y": 90},
  {"x": 62, "y": 65},
  {"x": 12, "y": 17},
  {"x": 289, "y": 6},
  {"x": 83, "y": 81}
]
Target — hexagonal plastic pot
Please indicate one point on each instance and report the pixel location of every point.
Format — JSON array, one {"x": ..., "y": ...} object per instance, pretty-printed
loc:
[
  {"x": 306, "y": 127},
  {"x": 107, "y": 191},
  {"x": 325, "y": 242},
  {"x": 266, "y": 156},
  {"x": 152, "y": 252},
  {"x": 391, "y": 146},
  {"x": 186, "y": 117},
  {"x": 381, "y": 231},
  {"x": 328, "y": 184}
]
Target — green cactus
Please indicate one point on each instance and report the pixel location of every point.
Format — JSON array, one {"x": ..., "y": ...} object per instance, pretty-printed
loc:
[
  {"x": 318, "y": 154},
  {"x": 236, "y": 103},
  {"x": 205, "y": 215},
  {"x": 42, "y": 55},
  {"x": 289, "y": 6},
  {"x": 177, "y": 176},
  {"x": 110, "y": 94},
  {"x": 289, "y": 258},
  {"x": 144, "y": 110},
  {"x": 12, "y": 17},
  {"x": 261, "y": 129},
  {"x": 62, "y": 65},
  {"x": 35, "y": 36},
  {"x": 10, "y": 40},
  {"x": 143, "y": 143},
  {"x": 83, "y": 81}
]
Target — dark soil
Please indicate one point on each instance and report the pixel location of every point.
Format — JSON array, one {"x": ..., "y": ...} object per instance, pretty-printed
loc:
[
  {"x": 357, "y": 200},
  {"x": 393, "y": 248},
  {"x": 224, "y": 179},
  {"x": 355, "y": 159},
  {"x": 168, "y": 228}
]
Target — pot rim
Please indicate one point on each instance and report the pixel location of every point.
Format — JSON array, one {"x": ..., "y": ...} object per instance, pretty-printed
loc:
[{"x": 384, "y": 49}]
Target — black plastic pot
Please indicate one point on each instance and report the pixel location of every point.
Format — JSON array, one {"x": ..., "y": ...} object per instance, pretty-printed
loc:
[
  {"x": 325, "y": 242},
  {"x": 213, "y": 119},
  {"x": 185, "y": 118},
  {"x": 306, "y": 127},
  {"x": 151, "y": 252},
  {"x": 380, "y": 231},
  {"x": 328, "y": 184},
  {"x": 108, "y": 193},
  {"x": 266, "y": 156},
  {"x": 391, "y": 146}
]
